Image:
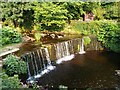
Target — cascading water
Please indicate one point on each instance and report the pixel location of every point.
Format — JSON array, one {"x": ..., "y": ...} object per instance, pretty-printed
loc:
[
  {"x": 94, "y": 45},
  {"x": 82, "y": 46},
  {"x": 63, "y": 52},
  {"x": 49, "y": 65},
  {"x": 39, "y": 62}
]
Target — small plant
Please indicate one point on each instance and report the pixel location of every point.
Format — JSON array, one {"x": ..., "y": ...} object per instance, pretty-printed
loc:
[
  {"x": 87, "y": 40},
  {"x": 13, "y": 65},
  {"x": 37, "y": 36},
  {"x": 10, "y": 82},
  {"x": 10, "y": 35}
]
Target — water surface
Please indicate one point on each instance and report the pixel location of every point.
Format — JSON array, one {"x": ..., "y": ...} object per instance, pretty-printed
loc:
[{"x": 94, "y": 69}]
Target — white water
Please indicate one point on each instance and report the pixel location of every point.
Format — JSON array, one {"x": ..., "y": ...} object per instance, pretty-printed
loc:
[
  {"x": 82, "y": 47},
  {"x": 66, "y": 58},
  {"x": 64, "y": 51}
]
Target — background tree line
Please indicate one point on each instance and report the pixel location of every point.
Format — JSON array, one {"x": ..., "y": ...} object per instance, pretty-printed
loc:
[{"x": 53, "y": 15}]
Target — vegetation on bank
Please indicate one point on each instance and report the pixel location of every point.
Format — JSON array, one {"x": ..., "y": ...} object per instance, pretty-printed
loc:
[
  {"x": 109, "y": 35},
  {"x": 57, "y": 16},
  {"x": 107, "y": 32},
  {"x": 10, "y": 35},
  {"x": 66, "y": 17},
  {"x": 53, "y": 16},
  {"x": 10, "y": 81},
  {"x": 12, "y": 68},
  {"x": 14, "y": 65}
]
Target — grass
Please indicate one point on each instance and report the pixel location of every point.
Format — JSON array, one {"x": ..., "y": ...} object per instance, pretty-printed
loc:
[{"x": 69, "y": 29}]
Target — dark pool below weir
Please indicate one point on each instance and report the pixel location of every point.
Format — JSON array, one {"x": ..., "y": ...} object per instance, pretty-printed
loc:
[{"x": 94, "y": 69}]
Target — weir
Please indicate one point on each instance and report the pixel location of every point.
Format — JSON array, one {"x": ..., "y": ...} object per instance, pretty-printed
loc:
[{"x": 39, "y": 61}]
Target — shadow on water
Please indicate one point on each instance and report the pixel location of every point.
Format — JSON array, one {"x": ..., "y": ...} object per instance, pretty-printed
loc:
[{"x": 95, "y": 69}]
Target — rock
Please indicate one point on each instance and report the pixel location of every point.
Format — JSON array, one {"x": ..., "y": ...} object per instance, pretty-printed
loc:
[
  {"x": 117, "y": 72},
  {"x": 27, "y": 38},
  {"x": 43, "y": 35}
]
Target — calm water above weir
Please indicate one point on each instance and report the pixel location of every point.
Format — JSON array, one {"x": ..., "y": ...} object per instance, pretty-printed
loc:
[{"x": 95, "y": 69}]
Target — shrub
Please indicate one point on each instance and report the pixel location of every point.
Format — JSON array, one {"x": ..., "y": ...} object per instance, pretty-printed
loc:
[
  {"x": 87, "y": 40},
  {"x": 82, "y": 27},
  {"x": 13, "y": 65},
  {"x": 87, "y": 28},
  {"x": 10, "y": 82},
  {"x": 108, "y": 32},
  {"x": 37, "y": 36},
  {"x": 10, "y": 35},
  {"x": 109, "y": 35}
]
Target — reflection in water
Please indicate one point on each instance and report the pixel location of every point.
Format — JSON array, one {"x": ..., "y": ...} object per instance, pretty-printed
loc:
[
  {"x": 94, "y": 69},
  {"x": 85, "y": 71}
]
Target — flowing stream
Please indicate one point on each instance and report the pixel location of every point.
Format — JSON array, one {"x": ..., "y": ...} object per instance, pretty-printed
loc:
[
  {"x": 72, "y": 64},
  {"x": 39, "y": 61}
]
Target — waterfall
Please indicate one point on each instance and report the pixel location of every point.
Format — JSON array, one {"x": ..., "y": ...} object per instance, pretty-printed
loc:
[
  {"x": 39, "y": 58},
  {"x": 49, "y": 67},
  {"x": 31, "y": 60},
  {"x": 94, "y": 45},
  {"x": 43, "y": 59},
  {"x": 36, "y": 66},
  {"x": 39, "y": 61},
  {"x": 82, "y": 46},
  {"x": 28, "y": 68},
  {"x": 29, "y": 74},
  {"x": 63, "y": 52}
]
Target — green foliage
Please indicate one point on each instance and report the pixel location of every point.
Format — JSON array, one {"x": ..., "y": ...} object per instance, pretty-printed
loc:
[
  {"x": 74, "y": 10},
  {"x": 99, "y": 12},
  {"x": 53, "y": 15},
  {"x": 111, "y": 10},
  {"x": 87, "y": 40},
  {"x": 13, "y": 65},
  {"x": 10, "y": 82},
  {"x": 90, "y": 6},
  {"x": 10, "y": 35},
  {"x": 81, "y": 26},
  {"x": 17, "y": 13},
  {"x": 50, "y": 16},
  {"x": 87, "y": 28},
  {"x": 37, "y": 36},
  {"x": 109, "y": 35},
  {"x": 107, "y": 32}
]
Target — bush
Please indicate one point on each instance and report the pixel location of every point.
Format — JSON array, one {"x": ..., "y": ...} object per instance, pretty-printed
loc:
[
  {"x": 87, "y": 40},
  {"x": 108, "y": 32},
  {"x": 87, "y": 28},
  {"x": 37, "y": 36},
  {"x": 10, "y": 35},
  {"x": 109, "y": 35},
  {"x": 13, "y": 65},
  {"x": 10, "y": 82}
]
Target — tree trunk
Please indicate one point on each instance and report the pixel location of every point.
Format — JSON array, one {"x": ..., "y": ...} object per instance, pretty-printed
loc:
[
  {"x": 69, "y": 21},
  {"x": 15, "y": 24}
]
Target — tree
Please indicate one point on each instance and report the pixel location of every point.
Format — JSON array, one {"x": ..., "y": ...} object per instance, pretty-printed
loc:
[
  {"x": 75, "y": 10},
  {"x": 20, "y": 14},
  {"x": 111, "y": 9},
  {"x": 90, "y": 6},
  {"x": 50, "y": 16},
  {"x": 109, "y": 35}
]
